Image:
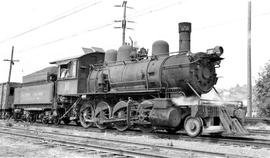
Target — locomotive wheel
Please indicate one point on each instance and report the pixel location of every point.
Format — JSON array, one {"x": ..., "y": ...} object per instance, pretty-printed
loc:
[
  {"x": 86, "y": 113},
  {"x": 120, "y": 112},
  {"x": 193, "y": 126},
  {"x": 102, "y": 113},
  {"x": 144, "y": 110}
]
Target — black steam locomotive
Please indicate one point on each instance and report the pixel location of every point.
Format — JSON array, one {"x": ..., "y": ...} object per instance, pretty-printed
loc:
[{"x": 127, "y": 88}]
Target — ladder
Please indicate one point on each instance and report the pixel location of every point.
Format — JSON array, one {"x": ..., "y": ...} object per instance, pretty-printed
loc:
[
  {"x": 231, "y": 125},
  {"x": 74, "y": 104}
]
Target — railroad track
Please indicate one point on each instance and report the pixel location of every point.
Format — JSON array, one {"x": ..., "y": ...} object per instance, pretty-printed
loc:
[
  {"x": 235, "y": 140},
  {"x": 225, "y": 140},
  {"x": 259, "y": 131},
  {"x": 228, "y": 140},
  {"x": 257, "y": 119},
  {"x": 124, "y": 148}
]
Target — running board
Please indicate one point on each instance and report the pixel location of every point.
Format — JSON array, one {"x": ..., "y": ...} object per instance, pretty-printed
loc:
[{"x": 231, "y": 125}]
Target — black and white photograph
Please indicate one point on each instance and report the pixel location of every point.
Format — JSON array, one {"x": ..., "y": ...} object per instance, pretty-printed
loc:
[{"x": 134, "y": 79}]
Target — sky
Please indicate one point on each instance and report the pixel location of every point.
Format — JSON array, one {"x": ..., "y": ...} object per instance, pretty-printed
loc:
[{"x": 46, "y": 30}]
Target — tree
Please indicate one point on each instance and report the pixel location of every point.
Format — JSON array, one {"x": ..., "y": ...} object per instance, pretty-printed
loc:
[{"x": 262, "y": 95}]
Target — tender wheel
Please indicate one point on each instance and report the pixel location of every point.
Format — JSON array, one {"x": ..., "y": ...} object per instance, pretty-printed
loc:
[
  {"x": 7, "y": 116},
  {"x": 56, "y": 120},
  {"x": 17, "y": 116},
  {"x": 86, "y": 114},
  {"x": 120, "y": 112},
  {"x": 102, "y": 113},
  {"x": 31, "y": 118},
  {"x": 193, "y": 126},
  {"x": 45, "y": 120}
]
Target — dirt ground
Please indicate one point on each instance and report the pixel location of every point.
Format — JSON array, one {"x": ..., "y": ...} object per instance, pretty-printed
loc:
[
  {"x": 13, "y": 147},
  {"x": 18, "y": 147}
]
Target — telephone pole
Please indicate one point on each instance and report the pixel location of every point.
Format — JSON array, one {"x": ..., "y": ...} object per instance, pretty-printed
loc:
[
  {"x": 11, "y": 62},
  {"x": 124, "y": 21},
  {"x": 249, "y": 83}
]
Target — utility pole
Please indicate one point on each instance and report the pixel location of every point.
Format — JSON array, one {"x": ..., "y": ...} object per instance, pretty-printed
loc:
[
  {"x": 249, "y": 83},
  {"x": 124, "y": 21},
  {"x": 11, "y": 63}
]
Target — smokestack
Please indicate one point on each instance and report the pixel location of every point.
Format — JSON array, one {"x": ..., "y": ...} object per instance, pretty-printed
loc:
[{"x": 184, "y": 37}]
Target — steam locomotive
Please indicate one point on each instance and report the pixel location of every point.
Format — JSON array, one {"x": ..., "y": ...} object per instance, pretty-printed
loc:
[{"x": 126, "y": 88}]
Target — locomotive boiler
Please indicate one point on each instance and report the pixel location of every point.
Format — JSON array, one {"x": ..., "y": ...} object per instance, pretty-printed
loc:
[
  {"x": 174, "y": 74},
  {"x": 127, "y": 88}
]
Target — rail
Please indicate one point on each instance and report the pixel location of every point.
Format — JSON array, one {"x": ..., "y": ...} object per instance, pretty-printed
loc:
[{"x": 77, "y": 141}]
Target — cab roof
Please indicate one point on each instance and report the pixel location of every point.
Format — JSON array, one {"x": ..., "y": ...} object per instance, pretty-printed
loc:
[{"x": 87, "y": 51}]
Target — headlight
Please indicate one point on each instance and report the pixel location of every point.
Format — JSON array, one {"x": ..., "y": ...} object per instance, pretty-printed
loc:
[{"x": 218, "y": 50}]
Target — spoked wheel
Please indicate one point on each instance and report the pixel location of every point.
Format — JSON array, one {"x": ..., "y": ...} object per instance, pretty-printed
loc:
[
  {"x": 120, "y": 112},
  {"x": 56, "y": 120},
  {"x": 45, "y": 120},
  {"x": 86, "y": 114},
  {"x": 7, "y": 115},
  {"x": 31, "y": 118},
  {"x": 193, "y": 126},
  {"x": 144, "y": 112},
  {"x": 17, "y": 116},
  {"x": 102, "y": 113}
]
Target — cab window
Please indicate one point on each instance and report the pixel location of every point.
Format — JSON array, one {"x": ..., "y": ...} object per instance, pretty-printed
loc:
[
  {"x": 11, "y": 91},
  {"x": 68, "y": 70}
]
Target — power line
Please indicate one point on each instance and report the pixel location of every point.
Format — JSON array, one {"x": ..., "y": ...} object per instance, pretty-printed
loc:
[
  {"x": 66, "y": 37},
  {"x": 51, "y": 21},
  {"x": 155, "y": 10},
  {"x": 230, "y": 21},
  {"x": 96, "y": 28}
]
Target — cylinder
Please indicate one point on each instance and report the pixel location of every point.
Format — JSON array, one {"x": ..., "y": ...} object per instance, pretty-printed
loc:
[
  {"x": 169, "y": 117},
  {"x": 184, "y": 37},
  {"x": 110, "y": 56},
  {"x": 124, "y": 53},
  {"x": 159, "y": 48}
]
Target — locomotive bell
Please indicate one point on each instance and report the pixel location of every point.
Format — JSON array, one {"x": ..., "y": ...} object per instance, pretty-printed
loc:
[{"x": 184, "y": 37}]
